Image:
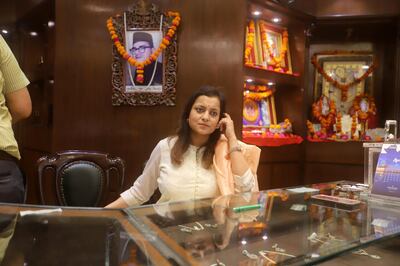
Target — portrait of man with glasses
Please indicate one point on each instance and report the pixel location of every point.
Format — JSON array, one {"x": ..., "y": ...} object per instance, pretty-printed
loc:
[{"x": 141, "y": 49}]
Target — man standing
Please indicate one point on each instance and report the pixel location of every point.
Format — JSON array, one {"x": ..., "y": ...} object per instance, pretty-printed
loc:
[
  {"x": 142, "y": 48},
  {"x": 15, "y": 104}
]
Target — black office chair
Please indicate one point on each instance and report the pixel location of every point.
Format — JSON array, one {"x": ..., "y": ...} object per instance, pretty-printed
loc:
[{"x": 80, "y": 178}]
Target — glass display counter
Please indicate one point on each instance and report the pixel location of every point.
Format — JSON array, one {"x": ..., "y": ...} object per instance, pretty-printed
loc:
[
  {"x": 289, "y": 226},
  {"x": 285, "y": 226},
  {"x": 70, "y": 236}
]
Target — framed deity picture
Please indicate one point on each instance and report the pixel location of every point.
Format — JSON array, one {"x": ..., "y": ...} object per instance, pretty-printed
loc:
[
  {"x": 144, "y": 64},
  {"x": 341, "y": 76},
  {"x": 273, "y": 47},
  {"x": 258, "y": 112}
]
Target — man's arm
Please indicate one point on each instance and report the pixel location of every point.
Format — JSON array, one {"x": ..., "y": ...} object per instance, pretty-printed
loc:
[{"x": 19, "y": 104}]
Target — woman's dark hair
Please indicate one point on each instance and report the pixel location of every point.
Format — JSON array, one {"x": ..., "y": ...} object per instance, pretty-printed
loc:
[{"x": 183, "y": 132}]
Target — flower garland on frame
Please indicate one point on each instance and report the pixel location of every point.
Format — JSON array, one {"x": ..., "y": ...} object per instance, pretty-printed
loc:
[
  {"x": 249, "y": 44},
  {"x": 153, "y": 57},
  {"x": 257, "y": 96},
  {"x": 276, "y": 61},
  {"x": 325, "y": 120},
  {"x": 353, "y": 127},
  {"x": 339, "y": 123},
  {"x": 346, "y": 86},
  {"x": 364, "y": 115}
]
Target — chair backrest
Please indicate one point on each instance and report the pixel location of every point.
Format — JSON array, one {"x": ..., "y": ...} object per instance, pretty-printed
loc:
[{"x": 80, "y": 178}]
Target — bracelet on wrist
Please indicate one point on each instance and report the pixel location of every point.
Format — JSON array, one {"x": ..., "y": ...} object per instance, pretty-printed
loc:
[{"x": 235, "y": 148}]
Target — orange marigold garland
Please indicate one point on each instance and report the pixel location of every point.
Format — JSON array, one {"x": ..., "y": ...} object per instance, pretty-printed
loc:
[
  {"x": 310, "y": 129},
  {"x": 249, "y": 44},
  {"x": 339, "y": 123},
  {"x": 364, "y": 115},
  {"x": 257, "y": 96},
  {"x": 353, "y": 126},
  {"x": 153, "y": 57},
  {"x": 346, "y": 86},
  {"x": 325, "y": 120}
]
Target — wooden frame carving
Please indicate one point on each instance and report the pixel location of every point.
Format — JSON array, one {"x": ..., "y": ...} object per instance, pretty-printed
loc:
[{"x": 143, "y": 17}]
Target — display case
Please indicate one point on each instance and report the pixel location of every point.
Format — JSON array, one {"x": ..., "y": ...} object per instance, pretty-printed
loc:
[
  {"x": 44, "y": 235},
  {"x": 285, "y": 226},
  {"x": 291, "y": 226}
]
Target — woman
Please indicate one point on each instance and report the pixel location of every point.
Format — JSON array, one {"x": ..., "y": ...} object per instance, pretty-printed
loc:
[{"x": 198, "y": 162}]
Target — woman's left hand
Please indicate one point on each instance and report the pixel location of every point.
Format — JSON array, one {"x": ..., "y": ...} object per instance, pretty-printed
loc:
[{"x": 226, "y": 126}]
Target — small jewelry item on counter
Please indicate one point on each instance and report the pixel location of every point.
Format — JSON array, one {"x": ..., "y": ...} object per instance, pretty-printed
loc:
[
  {"x": 264, "y": 253},
  {"x": 211, "y": 225},
  {"x": 250, "y": 255},
  {"x": 276, "y": 248},
  {"x": 189, "y": 229},
  {"x": 331, "y": 237},
  {"x": 218, "y": 263},
  {"x": 186, "y": 230},
  {"x": 365, "y": 253},
  {"x": 198, "y": 228},
  {"x": 314, "y": 238}
]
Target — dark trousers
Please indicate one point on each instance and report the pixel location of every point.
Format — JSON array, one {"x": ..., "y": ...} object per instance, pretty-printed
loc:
[{"x": 12, "y": 189}]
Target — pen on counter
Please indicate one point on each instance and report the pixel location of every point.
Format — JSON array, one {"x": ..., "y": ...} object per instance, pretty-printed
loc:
[{"x": 246, "y": 208}]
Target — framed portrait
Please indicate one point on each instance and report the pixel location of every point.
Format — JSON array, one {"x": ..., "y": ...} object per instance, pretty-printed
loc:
[
  {"x": 342, "y": 76},
  {"x": 141, "y": 29},
  {"x": 273, "y": 47},
  {"x": 141, "y": 44}
]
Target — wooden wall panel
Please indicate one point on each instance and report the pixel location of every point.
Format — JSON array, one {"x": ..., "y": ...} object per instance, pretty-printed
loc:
[
  {"x": 357, "y": 8},
  {"x": 209, "y": 52},
  {"x": 287, "y": 153},
  {"x": 8, "y": 13},
  {"x": 286, "y": 175},
  {"x": 329, "y": 8},
  {"x": 278, "y": 175},
  {"x": 326, "y": 172},
  {"x": 264, "y": 174}
]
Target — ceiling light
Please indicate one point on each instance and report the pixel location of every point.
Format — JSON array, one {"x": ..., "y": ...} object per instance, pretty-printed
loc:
[
  {"x": 249, "y": 80},
  {"x": 256, "y": 13},
  {"x": 33, "y": 33},
  {"x": 4, "y": 31},
  {"x": 276, "y": 20},
  {"x": 51, "y": 24},
  {"x": 270, "y": 83}
]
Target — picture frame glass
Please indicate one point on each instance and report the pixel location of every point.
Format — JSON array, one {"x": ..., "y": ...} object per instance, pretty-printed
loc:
[{"x": 140, "y": 45}]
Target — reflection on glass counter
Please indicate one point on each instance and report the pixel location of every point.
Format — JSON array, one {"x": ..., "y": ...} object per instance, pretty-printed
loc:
[
  {"x": 284, "y": 226},
  {"x": 68, "y": 237}
]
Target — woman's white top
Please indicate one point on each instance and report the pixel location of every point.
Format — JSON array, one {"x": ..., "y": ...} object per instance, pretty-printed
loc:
[{"x": 187, "y": 181}]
